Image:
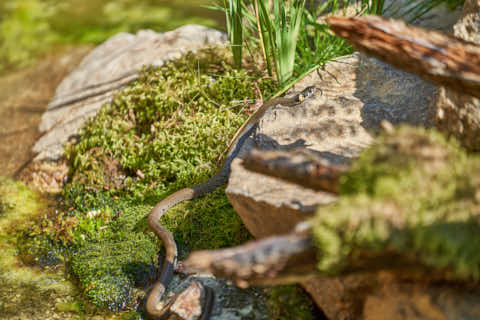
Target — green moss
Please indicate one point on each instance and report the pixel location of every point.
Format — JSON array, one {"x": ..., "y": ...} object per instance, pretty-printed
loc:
[
  {"x": 23, "y": 289},
  {"x": 412, "y": 193},
  {"x": 108, "y": 271},
  {"x": 289, "y": 302},
  {"x": 166, "y": 130},
  {"x": 18, "y": 205},
  {"x": 206, "y": 223},
  {"x": 72, "y": 306}
]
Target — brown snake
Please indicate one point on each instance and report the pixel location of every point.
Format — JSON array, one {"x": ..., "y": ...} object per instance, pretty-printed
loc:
[{"x": 220, "y": 178}]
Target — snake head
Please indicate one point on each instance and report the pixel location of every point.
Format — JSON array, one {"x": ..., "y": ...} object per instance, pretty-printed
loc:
[{"x": 308, "y": 92}]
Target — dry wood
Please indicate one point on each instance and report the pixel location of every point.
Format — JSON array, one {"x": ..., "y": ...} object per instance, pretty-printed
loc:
[
  {"x": 280, "y": 259},
  {"x": 301, "y": 167},
  {"x": 435, "y": 56}
]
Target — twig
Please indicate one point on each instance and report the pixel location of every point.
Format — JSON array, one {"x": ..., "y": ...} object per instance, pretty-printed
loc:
[{"x": 300, "y": 166}]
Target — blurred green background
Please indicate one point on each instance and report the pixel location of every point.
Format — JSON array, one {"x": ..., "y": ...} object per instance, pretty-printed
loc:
[{"x": 30, "y": 28}]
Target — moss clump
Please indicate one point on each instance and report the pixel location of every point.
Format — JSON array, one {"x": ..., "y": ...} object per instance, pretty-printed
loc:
[
  {"x": 166, "y": 130},
  {"x": 111, "y": 269},
  {"x": 413, "y": 193},
  {"x": 289, "y": 302}
]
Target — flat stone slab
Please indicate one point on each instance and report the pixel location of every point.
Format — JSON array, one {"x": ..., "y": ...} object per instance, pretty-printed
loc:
[
  {"x": 112, "y": 64},
  {"x": 358, "y": 94}
]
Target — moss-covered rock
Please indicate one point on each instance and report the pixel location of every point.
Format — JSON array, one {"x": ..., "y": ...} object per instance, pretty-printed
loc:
[
  {"x": 167, "y": 129},
  {"x": 412, "y": 194},
  {"x": 161, "y": 133}
]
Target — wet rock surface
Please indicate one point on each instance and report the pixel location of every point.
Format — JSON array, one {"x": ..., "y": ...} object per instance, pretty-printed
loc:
[
  {"x": 188, "y": 304},
  {"x": 230, "y": 302}
]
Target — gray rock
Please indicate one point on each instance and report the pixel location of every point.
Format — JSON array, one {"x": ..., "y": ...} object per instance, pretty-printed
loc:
[
  {"x": 439, "y": 18},
  {"x": 188, "y": 304},
  {"x": 458, "y": 114},
  {"x": 107, "y": 68},
  {"x": 358, "y": 94}
]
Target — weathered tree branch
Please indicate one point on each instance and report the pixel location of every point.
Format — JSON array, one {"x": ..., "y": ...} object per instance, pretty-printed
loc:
[
  {"x": 301, "y": 167},
  {"x": 435, "y": 56},
  {"x": 281, "y": 259}
]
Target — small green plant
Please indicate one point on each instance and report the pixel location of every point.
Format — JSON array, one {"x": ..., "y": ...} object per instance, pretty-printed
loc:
[
  {"x": 287, "y": 33},
  {"x": 274, "y": 29},
  {"x": 279, "y": 34}
]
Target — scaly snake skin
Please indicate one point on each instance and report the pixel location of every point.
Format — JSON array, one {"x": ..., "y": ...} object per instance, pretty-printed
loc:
[{"x": 220, "y": 178}]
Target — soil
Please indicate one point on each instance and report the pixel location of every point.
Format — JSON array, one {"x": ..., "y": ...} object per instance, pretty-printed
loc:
[{"x": 24, "y": 96}]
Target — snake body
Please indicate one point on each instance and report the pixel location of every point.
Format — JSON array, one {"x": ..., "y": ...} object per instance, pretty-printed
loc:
[{"x": 189, "y": 193}]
